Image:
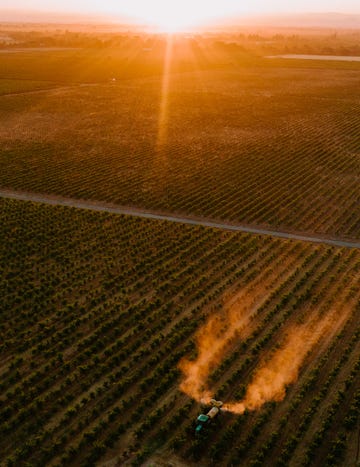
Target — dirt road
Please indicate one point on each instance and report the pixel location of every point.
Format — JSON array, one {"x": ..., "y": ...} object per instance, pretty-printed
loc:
[{"x": 114, "y": 209}]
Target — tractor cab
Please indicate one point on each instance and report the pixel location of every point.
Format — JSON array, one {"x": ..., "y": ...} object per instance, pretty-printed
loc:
[{"x": 203, "y": 419}]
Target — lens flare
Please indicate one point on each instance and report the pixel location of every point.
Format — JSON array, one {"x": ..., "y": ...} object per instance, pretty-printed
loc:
[{"x": 164, "y": 99}]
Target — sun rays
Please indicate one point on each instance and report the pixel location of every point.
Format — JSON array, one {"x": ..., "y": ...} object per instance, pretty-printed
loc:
[{"x": 164, "y": 98}]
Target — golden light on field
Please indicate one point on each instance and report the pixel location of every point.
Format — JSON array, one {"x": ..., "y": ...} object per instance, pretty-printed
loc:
[{"x": 163, "y": 114}]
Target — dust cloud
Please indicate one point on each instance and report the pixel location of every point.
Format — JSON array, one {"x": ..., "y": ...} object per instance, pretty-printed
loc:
[
  {"x": 270, "y": 380},
  {"x": 213, "y": 340}
]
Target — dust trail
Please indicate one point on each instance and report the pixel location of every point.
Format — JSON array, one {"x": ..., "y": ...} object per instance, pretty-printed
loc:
[
  {"x": 270, "y": 381},
  {"x": 214, "y": 339}
]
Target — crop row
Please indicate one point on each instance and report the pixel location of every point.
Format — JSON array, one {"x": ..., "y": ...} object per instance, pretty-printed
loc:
[
  {"x": 288, "y": 161},
  {"x": 98, "y": 310}
]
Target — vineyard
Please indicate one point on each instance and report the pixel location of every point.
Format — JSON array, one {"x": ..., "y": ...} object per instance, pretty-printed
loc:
[
  {"x": 261, "y": 142},
  {"x": 116, "y": 331},
  {"x": 98, "y": 311}
]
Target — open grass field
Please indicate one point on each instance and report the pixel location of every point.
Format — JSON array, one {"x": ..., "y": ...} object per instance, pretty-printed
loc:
[
  {"x": 265, "y": 142},
  {"x": 98, "y": 310}
]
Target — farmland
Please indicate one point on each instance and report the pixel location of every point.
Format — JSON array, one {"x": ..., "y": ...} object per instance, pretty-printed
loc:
[
  {"x": 116, "y": 330},
  {"x": 98, "y": 310},
  {"x": 232, "y": 137}
]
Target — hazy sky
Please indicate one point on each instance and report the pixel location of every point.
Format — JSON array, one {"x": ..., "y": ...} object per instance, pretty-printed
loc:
[{"x": 183, "y": 11}]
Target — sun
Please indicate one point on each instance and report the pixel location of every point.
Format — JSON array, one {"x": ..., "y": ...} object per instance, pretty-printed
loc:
[
  {"x": 171, "y": 15},
  {"x": 171, "y": 24},
  {"x": 172, "y": 19}
]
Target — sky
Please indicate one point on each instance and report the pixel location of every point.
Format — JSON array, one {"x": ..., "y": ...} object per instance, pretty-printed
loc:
[{"x": 183, "y": 12}]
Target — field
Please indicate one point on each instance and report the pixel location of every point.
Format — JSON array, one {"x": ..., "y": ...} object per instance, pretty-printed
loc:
[
  {"x": 117, "y": 331},
  {"x": 256, "y": 141},
  {"x": 98, "y": 311},
  {"x": 10, "y": 86}
]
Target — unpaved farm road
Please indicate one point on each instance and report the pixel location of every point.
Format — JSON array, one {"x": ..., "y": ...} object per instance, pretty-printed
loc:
[{"x": 104, "y": 207}]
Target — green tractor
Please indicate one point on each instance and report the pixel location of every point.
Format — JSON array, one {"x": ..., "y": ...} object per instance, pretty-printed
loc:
[{"x": 204, "y": 419}]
